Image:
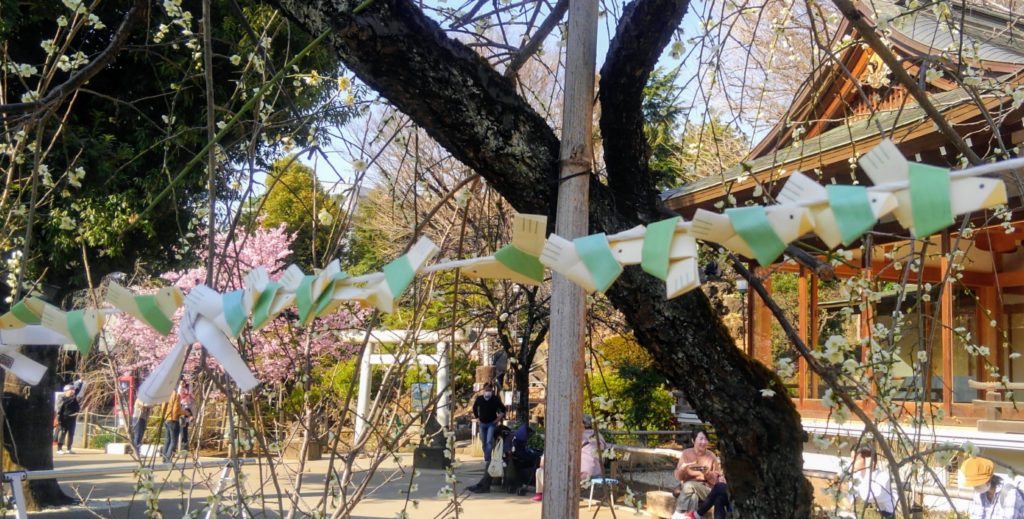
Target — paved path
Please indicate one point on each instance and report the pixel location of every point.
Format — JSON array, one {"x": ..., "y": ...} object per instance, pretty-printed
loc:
[{"x": 186, "y": 490}]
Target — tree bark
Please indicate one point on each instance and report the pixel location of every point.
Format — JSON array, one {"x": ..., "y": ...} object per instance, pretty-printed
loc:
[
  {"x": 475, "y": 113},
  {"x": 28, "y": 431}
]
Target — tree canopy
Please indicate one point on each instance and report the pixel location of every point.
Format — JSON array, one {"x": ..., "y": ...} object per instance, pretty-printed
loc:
[
  {"x": 296, "y": 199},
  {"x": 476, "y": 114}
]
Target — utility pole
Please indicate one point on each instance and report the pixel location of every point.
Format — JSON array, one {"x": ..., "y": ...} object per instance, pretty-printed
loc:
[{"x": 564, "y": 421}]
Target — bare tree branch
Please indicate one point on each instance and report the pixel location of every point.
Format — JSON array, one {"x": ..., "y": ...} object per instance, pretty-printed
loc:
[
  {"x": 867, "y": 32},
  {"x": 486, "y": 124},
  {"x": 520, "y": 58}
]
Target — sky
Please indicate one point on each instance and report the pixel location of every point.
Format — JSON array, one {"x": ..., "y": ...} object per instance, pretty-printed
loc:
[{"x": 339, "y": 160}]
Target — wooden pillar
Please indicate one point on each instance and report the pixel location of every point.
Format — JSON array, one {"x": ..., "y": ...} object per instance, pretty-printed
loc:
[
  {"x": 946, "y": 316},
  {"x": 760, "y": 327},
  {"x": 803, "y": 325},
  {"x": 568, "y": 302},
  {"x": 867, "y": 316},
  {"x": 814, "y": 331},
  {"x": 989, "y": 310},
  {"x": 749, "y": 316},
  {"x": 85, "y": 433}
]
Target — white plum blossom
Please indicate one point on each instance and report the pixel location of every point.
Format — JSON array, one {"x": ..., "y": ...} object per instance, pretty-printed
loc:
[{"x": 785, "y": 367}]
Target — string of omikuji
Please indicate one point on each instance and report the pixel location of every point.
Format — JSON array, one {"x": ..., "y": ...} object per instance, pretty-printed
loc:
[{"x": 924, "y": 199}]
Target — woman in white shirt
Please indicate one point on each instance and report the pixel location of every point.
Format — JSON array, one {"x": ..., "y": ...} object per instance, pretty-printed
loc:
[{"x": 872, "y": 484}]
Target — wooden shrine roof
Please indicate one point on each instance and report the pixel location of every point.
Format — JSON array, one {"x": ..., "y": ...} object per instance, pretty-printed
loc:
[
  {"x": 826, "y": 151},
  {"x": 833, "y": 134}
]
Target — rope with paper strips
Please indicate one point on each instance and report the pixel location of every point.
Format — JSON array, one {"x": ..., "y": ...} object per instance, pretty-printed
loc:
[{"x": 924, "y": 199}]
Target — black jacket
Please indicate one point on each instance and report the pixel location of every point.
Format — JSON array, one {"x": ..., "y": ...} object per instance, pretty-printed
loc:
[
  {"x": 486, "y": 410},
  {"x": 67, "y": 408}
]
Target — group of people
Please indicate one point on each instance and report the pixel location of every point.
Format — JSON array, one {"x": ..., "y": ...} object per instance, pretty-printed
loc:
[
  {"x": 176, "y": 412},
  {"x": 489, "y": 411},
  {"x": 702, "y": 484},
  {"x": 993, "y": 497},
  {"x": 177, "y": 417}
]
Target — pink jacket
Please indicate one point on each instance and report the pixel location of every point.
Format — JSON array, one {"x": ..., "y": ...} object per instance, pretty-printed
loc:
[{"x": 590, "y": 459}]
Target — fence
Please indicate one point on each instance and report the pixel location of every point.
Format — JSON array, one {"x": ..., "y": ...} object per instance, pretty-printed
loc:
[{"x": 16, "y": 479}]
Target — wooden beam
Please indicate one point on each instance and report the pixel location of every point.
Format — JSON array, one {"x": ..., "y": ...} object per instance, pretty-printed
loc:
[
  {"x": 884, "y": 271},
  {"x": 564, "y": 409},
  {"x": 814, "y": 331},
  {"x": 988, "y": 309},
  {"x": 1017, "y": 137},
  {"x": 751, "y": 317},
  {"x": 866, "y": 318},
  {"x": 1014, "y": 278},
  {"x": 761, "y": 327},
  {"x": 836, "y": 99},
  {"x": 802, "y": 324},
  {"x": 946, "y": 316}
]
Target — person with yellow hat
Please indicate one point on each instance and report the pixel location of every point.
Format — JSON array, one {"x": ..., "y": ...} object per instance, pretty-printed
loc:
[{"x": 992, "y": 499}]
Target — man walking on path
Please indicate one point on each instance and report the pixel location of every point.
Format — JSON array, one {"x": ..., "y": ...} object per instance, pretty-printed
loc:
[
  {"x": 488, "y": 410},
  {"x": 67, "y": 416}
]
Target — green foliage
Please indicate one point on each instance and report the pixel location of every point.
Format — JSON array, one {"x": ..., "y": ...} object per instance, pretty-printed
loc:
[
  {"x": 296, "y": 199},
  {"x": 683, "y": 150},
  {"x": 327, "y": 383},
  {"x": 368, "y": 243},
  {"x": 633, "y": 393},
  {"x": 142, "y": 118},
  {"x": 536, "y": 440},
  {"x": 638, "y": 399},
  {"x": 101, "y": 440},
  {"x": 662, "y": 116},
  {"x": 623, "y": 351}
]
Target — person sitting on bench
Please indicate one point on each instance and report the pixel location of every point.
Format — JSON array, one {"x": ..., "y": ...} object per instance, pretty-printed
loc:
[{"x": 703, "y": 484}]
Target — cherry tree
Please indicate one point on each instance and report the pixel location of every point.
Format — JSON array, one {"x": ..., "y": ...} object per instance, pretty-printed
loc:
[{"x": 277, "y": 350}]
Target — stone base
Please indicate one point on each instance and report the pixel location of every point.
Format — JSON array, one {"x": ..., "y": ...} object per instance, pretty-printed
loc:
[
  {"x": 431, "y": 458},
  {"x": 293, "y": 448},
  {"x": 118, "y": 448},
  {"x": 660, "y": 503}
]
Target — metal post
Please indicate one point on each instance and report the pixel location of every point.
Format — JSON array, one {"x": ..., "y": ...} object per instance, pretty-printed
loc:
[
  {"x": 17, "y": 480},
  {"x": 224, "y": 476}
]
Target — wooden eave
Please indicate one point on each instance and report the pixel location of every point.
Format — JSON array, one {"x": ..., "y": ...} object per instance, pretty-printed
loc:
[
  {"x": 831, "y": 157},
  {"x": 808, "y": 98},
  {"x": 917, "y": 49},
  {"x": 822, "y": 100}
]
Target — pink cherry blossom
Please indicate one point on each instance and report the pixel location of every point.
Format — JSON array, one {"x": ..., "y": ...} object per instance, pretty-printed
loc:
[{"x": 276, "y": 352}]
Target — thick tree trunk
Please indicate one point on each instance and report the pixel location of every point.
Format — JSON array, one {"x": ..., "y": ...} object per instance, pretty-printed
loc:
[
  {"x": 760, "y": 438},
  {"x": 477, "y": 115},
  {"x": 28, "y": 429}
]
